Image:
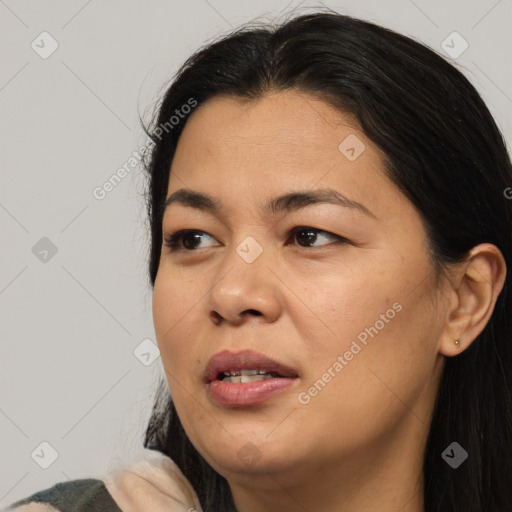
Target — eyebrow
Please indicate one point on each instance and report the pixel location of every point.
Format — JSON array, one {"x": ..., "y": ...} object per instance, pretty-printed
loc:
[{"x": 286, "y": 203}]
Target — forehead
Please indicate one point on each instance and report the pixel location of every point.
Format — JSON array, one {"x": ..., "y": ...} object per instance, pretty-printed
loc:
[
  {"x": 290, "y": 121},
  {"x": 283, "y": 141}
]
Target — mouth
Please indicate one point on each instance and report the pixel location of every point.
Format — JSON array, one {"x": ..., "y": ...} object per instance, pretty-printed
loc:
[
  {"x": 246, "y": 378},
  {"x": 246, "y": 365},
  {"x": 242, "y": 376}
]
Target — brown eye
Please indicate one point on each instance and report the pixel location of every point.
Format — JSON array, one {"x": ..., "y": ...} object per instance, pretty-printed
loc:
[
  {"x": 306, "y": 236},
  {"x": 189, "y": 239},
  {"x": 186, "y": 239}
]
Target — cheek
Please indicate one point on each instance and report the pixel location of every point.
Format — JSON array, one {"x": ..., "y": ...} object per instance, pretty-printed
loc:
[
  {"x": 388, "y": 331},
  {"x": 347, "y": 308},
  {"x": 388, "y": 354},
  {"x": 173, "y": 310},
  {"x": 163, "y": 310}
]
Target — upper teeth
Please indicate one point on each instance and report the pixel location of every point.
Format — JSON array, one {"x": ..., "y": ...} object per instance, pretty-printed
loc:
[{"x": 245, "y": 372}]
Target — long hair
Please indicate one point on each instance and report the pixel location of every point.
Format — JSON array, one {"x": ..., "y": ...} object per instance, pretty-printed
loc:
[{"x": 444, "y": 152}]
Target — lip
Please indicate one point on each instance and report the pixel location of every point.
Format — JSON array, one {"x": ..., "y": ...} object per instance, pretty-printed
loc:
[
  {"x": 247, "y": 393},
  {"x": 244, "y": 360}
]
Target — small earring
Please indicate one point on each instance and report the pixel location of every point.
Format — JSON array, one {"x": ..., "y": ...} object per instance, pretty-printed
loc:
[{"x": 457, "y": 342}]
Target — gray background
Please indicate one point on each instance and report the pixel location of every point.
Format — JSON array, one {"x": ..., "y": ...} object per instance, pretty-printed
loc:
[{"x": 70, "y": 321}]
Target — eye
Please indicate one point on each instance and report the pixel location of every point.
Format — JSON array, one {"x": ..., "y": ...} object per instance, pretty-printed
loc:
[
  {"x": 188, "y": 238},
  {"x": 309, "y": 235}
]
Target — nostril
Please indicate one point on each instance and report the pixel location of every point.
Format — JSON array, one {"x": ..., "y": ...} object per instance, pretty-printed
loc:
[
  {"x": 253, "y": 311},
  {"x": 217, "y": 319}
]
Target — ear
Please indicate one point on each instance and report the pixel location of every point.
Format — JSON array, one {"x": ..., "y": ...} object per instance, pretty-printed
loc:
[{"x": 473, "y": 294}]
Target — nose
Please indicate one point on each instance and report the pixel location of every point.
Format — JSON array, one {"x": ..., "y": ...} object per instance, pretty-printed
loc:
[{"x": 243, "y": 292}]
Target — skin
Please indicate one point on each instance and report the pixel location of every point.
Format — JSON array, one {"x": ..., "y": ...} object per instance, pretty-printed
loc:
[{"x": 358, "y": 444}]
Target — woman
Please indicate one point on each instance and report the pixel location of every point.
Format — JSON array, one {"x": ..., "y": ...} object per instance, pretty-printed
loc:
[{"x": 343, "y": 341}]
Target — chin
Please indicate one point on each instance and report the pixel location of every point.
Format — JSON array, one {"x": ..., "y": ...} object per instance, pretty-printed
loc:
[{"x": 248, "y": 454}]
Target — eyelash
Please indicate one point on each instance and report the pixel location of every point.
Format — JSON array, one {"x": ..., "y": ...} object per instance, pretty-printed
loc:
[{"x": 173, "y": 240}]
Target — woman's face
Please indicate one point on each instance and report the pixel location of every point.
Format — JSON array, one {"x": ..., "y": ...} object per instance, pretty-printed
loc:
[{"x": 349, "y": 306}]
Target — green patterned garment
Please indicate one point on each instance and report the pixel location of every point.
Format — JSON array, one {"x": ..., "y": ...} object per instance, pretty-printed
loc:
[{"x": 84, "y": 495}]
